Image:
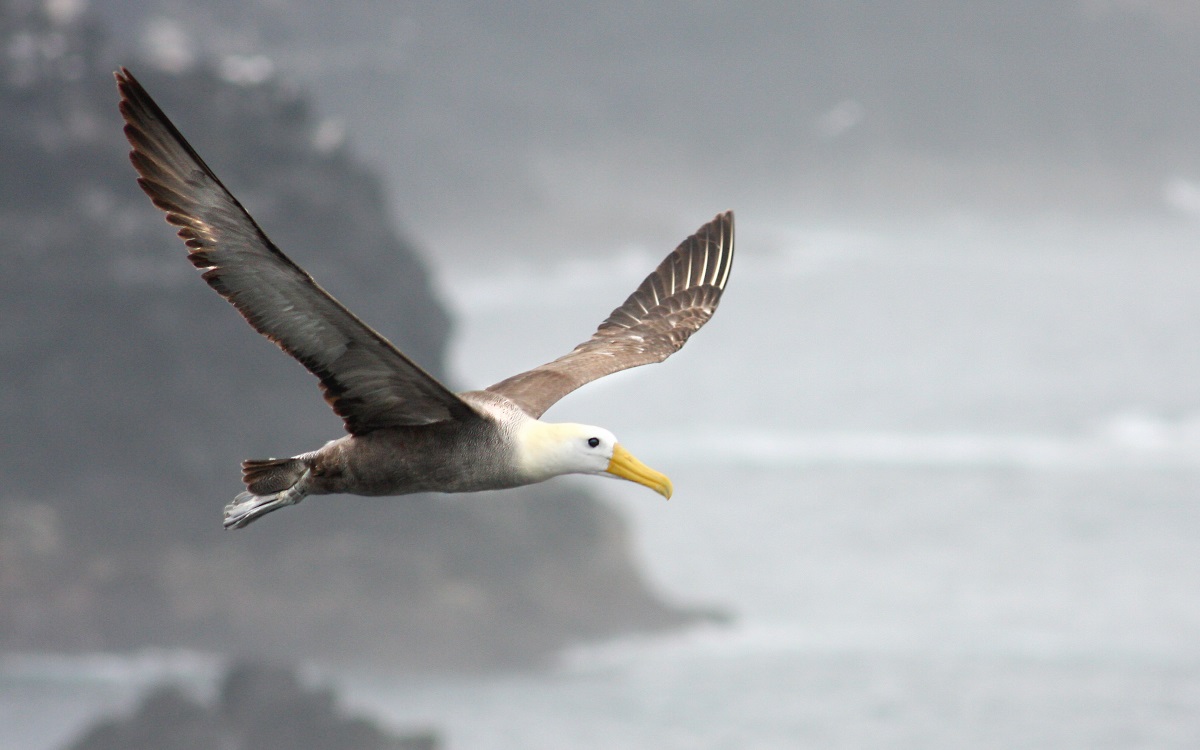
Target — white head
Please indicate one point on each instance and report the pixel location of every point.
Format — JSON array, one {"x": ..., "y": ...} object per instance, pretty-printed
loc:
[{"x": 549, "y": 450}]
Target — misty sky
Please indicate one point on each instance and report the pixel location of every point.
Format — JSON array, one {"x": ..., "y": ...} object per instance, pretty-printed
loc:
[{"x": 601, "y": 126}]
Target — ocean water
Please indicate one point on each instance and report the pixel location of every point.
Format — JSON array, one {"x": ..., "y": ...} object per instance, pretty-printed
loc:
[{"x": 943, "y": 477}]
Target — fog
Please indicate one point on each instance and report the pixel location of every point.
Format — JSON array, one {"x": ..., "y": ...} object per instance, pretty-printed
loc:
[
  {"x": 936, "y": 455},
  {"x": 562, "y": 127}
]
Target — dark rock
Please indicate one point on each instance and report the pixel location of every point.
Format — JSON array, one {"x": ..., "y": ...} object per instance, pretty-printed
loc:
[{"x": 260, "y": 707}]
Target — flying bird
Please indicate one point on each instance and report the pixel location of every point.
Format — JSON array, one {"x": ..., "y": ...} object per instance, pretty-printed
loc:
[{"x": 406, "y": 432}]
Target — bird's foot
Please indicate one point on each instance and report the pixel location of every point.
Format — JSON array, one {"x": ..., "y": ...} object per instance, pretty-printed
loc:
[{"x": 248, "y": 507}]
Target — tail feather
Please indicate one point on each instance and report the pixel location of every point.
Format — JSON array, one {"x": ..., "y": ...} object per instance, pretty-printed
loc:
[
  {"x": 270, "y": 475},
  {"x": 271, "y": 484}
]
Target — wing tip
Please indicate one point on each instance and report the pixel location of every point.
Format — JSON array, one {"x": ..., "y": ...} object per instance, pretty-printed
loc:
[
  {"x": 720, "y": 225},
  {"x": 127, "y": 85},
  {"x": 714, "y": 240},
  {"x": 723, "y": 221}
]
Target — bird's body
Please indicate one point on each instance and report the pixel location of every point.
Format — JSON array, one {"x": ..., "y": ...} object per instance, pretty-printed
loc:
[
  {"x": 406, "y": 431},
  {"x": 451, "y": 456}
]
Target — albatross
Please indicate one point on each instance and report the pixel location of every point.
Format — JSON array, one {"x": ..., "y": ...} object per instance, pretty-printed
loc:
[{"x": 406, "y": 432}]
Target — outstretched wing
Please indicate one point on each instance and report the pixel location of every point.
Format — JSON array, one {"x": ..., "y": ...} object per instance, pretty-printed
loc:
[
  {"x": 669, "y": 306},
  {"x": 366, "y": 380}
]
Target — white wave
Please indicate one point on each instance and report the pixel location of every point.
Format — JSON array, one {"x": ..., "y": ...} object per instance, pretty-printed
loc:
[
  {"x": 772, "y": 252},
  {"x": 737, "y": 640},
  {"x": 1124, "y": 441},
  {"x": 713, "y": 643},
  {"x": 524, "y": 283},
  {"x": 137, "y": 668}
]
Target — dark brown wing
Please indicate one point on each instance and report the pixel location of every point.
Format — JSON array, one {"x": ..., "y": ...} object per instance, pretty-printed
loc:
[
  {"x": 367, "y": 381},
  {"x": 670, "y": 305}
]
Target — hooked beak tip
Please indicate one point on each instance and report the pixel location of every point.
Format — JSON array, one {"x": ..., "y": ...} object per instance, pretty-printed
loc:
[{"x": 625, "y": 466}]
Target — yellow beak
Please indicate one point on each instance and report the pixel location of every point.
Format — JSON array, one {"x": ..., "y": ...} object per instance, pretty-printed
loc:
[{"x": 625, "y": 466}]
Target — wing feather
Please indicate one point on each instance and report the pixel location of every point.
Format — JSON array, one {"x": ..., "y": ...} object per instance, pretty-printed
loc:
[
  {"x": 652, "y": 324},
  {"x": 365, "y": 379}
]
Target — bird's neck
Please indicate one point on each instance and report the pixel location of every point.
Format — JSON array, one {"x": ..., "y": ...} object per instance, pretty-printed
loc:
[{"x": 541, "y": 448}]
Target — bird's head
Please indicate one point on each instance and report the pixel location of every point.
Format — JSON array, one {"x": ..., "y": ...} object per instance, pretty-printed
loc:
[{"x": 549, "y": 450}]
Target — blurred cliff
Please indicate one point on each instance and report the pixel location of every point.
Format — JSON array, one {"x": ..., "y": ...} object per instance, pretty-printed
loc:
[
  {"x": 129, "y": 392},
  {"x": 259, "y": 706}
]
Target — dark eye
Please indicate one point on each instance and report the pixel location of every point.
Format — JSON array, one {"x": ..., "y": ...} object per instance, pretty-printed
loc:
[{"x": 593, "y": 442}]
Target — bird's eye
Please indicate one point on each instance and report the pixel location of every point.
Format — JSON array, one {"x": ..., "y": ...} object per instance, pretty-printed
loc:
[{"x": 593, "y": 442}]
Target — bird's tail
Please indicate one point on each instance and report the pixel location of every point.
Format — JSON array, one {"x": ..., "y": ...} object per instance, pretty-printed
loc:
[{"x": 271, "y": 484}]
